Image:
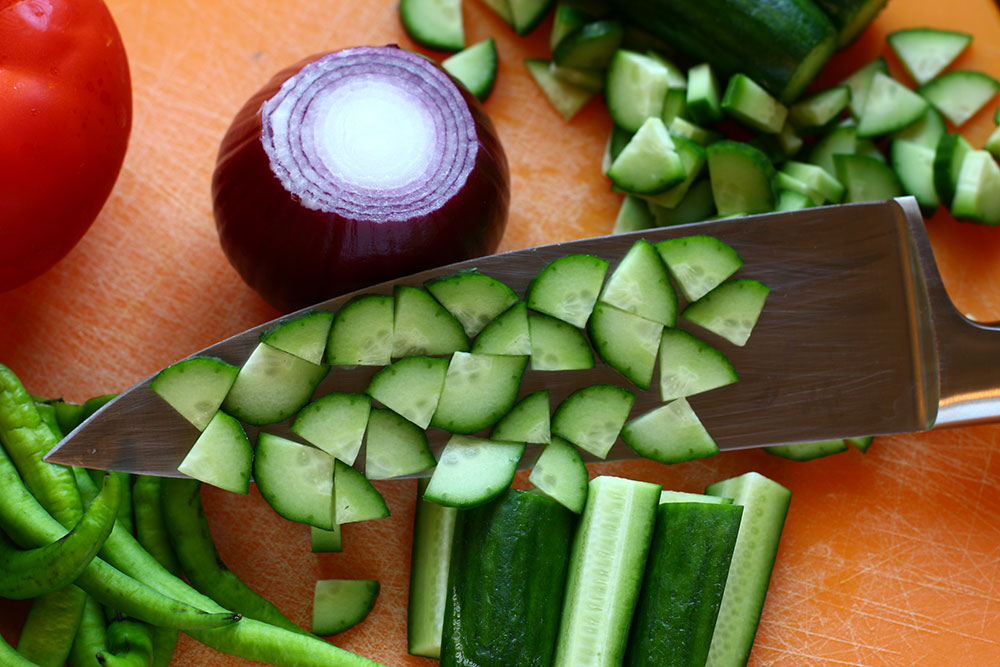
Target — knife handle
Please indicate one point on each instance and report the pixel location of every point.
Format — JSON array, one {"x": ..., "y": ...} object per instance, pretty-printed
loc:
[{"x": 969, "y": 363}]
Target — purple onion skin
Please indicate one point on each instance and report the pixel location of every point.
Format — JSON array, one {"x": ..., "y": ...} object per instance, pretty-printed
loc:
[{"x": 294, "y": 256}]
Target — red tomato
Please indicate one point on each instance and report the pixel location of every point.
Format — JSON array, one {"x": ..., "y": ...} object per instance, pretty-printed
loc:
[{"x": 65, "y": 117}]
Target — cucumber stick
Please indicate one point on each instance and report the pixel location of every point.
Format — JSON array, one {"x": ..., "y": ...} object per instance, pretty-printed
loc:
[
  {"x": 507, "y": 574},
  {"x": 605, "y": 571},
  {"x": 433, "y": 534}
]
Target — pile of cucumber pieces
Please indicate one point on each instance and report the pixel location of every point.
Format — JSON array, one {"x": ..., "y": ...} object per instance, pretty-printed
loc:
[{"x": 451, "y": 355}]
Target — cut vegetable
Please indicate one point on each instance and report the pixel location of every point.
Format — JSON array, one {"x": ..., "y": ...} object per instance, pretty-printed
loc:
[
  {"x": 670, "y": 496},
  {"x": 692, "y": 157},
  {"x": 361, "y": 334},
  {"x": 474, "y": 298},
  {"x": 742, "y": 178},
  {"x": 807, "y": 451},
  {"x": 527, "y": 14},
  {"x": 433, "y": 535},
  {"x": 568, "y": 287},
  {"x": 335, "y": 423},
  {"x": 866, "y": 178},
  {"x": 926, "y": 52},
  {"x": 689, "y": 366},
  {"x": 648, "y": 163},
  {"x": 703, "y": 103},
  {"x": 819, "y": 109},
  {"x": 296, "y": 480},
  {"x": 977, "y": 193},
  {"x": 860, "y": 82},
  {"x": 753, "y": 106},
  {"x": 640, "y": 285},
  {"x": 960, "y": 94},
  {"x": 914, "y": 165},
  {"x": 356, "y": 498},
  {"x": 698, "y": 263},
  {"x": 508, "y": 333},
  {"x": 697, "y": 205},
  {"x": 592, "y": 417},
  {"x": 339, "y": 604},
  {"x": 889, "y": 107},
  {"x": 478, "y": 390},
  {"x": 325, "y": 541},
  {"x": 221, "y": 456},
  {"x": 272, "y": 386},
  {"x": 567, "y": 98},
  {"x": 636, "y": 88},
  {"x": 560, "y": 473},
  {"x": 948, "y": 156},
  {"x": 475, "y": 67},
  {"x": 850, "y": 17},
  {"x": 730, "y": 310},
  {"x": 472, "y": 471},
  {"x": 591, "y": 46},
  {"x": 671, "y": 433},
  {"x": 633, "y": 215},
  {"x": 626, "y": 342},
  {"x": 528, "y": 421},
  {"x": 422, "y": 326},
  {"x": 195, "y": 387},
  {"x": 395, "y": 446},
  {"x": 304, "y": 336},
  {"x": 411, "y": 387},
  {"x": 557, "y": 345}
]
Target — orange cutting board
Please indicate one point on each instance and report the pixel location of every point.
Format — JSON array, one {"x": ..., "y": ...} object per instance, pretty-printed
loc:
[{"x": 888, "y": 558}]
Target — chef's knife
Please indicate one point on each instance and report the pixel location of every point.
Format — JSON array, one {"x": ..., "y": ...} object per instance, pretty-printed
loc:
[{"x": 858, "y": 337}]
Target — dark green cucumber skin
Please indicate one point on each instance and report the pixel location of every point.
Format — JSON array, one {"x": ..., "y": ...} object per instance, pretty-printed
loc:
[
  {"x": 764, "y": 39},
  {"x": 850, "y": 17},
  {"x": 508, "y": 571},
  {"x": 682, "y": 588}
]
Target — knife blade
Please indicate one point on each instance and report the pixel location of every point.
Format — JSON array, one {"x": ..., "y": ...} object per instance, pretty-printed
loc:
[{"x": 858, "y": 337}]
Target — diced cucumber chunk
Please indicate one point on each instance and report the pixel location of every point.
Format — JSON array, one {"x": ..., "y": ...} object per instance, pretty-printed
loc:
[
  {"x": 669, "y": 496},
  {"x": 977, "y": 194},
  {"x": 478, "y": 390},
  {"x": 335, "y": 423},
  {"x": 410, "y": 387},
  {"x": 742, "y": 178},
  {"x": 221, "y": 456},
  {"x": 507, "y": 334},
  {"x": 927, "y": 131},
  {"x": 566, "y": 19},
  {"x": 807, "y": 451},
  {"x": 698, "y": 263},
  {"x": 422, "y": 326},
  {"x": 730, "y": 310},
  {"x": 565, "y": 97},
  {"x": 914, "y": 165},
  {"x": 395, "y": 446},
  {"x": 436, "y": 24},
  {"x": 689, "y": 366},
  {"x": 592, "y": 417},
  {"x": 674, "y": 104},
  {"x": 473, "y": 298},
  {"x": 790, "y": 185},
  {"x": 636, "y": 88},
  {"x": 819, "y": 109},
  {"x": 890, "y": 106},
  {"x": 296, "y": 480},
  {"x": 304, "y": 336},
  {"x": 697, "y": 205},
  {"x": 860, "y": 82},
  {"x": 361, "y": 334},
  {"x": 557, "y": 345},
  {"x": 325, "y": 541},
  {"x": 692, "y": 157},
  {"x": 842, "y": 139},
  {"x": 861, "y": 444},
  {"x": 866, "y": 178},
  {"x": 948, "y": 156},
  {"x": 626, "y": 342},
  {"x": 817, "y": 179},
  {"x": 475, "y": 67},
  {"x": 960, "y": 94},
  {"x": 605, "y": 571},
  {"x": 648, "y": 164},
  {"x": 765, "y": 504},
  {"x": 502, "y": 9},
  {"x": 567, "y": 288},
  {"x": 528, "y": 421},
  {"x": 671, "y": 433},
  {"x": 640, "y": 285},
  {"x": 527, "y": 14},
  {"x": 676, "y": 78},
  {"x": 561, "y": 474},
  {"x": 592, "y": 45},
  {"x": 683, "y": 128},
  {"x": 339, "y": 604},
  {"x": 633, "y": 215},
  {"x": 472, "y": 471},
  {"x": 195, "y": 387},
  {"x": 926, "y": 52},
  {"x": 272, "y": 386},
  {"x": 704, "y": 95},
  {"x": 793, "y": 200},
  {"x": 433, "y": 533},
  {"x": 993, "y": 143},
  {"x": 355, "y": 497},
  {"x": 586, "y": 79},
  {"x": 617, "y": 140},
  {"x": 752, "y": 106}
]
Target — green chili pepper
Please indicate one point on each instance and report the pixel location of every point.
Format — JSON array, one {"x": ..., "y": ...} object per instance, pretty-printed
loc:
[
  {"x": 91, "y": 636},
  {"x": 130, "y": 644},
  {"x": 52, "y": 622}
]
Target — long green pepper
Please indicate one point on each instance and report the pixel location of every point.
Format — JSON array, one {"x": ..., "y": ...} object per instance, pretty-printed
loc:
[{"x": 48, "y": 632}]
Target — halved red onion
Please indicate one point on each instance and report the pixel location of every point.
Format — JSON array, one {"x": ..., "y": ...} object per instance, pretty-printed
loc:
[{"x": 355, "y": 167}]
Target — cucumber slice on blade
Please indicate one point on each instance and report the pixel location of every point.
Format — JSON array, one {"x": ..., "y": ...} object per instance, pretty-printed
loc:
[
  {"x": 361, "y": 334},
  {"x": 689, "y": 366},
  {"x": 474, "y": 298},
  {"x": 304, "y": 336},
  {"x": 699, "y": 263},
  {"x": 730, "y": 310},
  {"x": 640, "y": 285},
  {"x": 196, "y": 387},
  {"x": 626, "y": 342},
  {"x": 296, "y": 480},
  {"x": 221, "y": 456},
  {"x": 560, "y": 473},
  {"x": 478, "y": 390},
  {"x": 411, "y": 387},
  {"x": 528, "y": 421},
  {"x": 567, "y": 288},
  {"x": 335, "y": 423},
  {"x": 475, "y": 67},
  {"x": 422, "y": 326},
  {"x": 508, "y": 333},
  {"x": 473, "y": 471},
  {"x": 395, "y": 446},
  {"x": 592, "y": 417},
  {"x": 671, "y": 433},
  {"x": 807, "y": 451},
  {"x": 557, "y": 346},
  {"x": 272, "y": 386},
  {"x": 355, "y": 497}
]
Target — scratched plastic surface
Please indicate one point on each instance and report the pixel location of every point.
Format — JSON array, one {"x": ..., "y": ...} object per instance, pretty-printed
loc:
[{"x": 890, "y": 558}]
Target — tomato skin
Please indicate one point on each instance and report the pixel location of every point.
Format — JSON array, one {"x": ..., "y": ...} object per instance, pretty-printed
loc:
[{"x": 65, "y": 119}]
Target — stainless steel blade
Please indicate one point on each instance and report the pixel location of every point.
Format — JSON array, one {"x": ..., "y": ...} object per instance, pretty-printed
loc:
[{"x": 849, "y": 343}]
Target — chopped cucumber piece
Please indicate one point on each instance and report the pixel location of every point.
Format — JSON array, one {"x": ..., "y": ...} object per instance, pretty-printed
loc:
[
  {"x": 817, "y": 179},
  {"x": 840, "y": 140},
  {"x": 789, "y": 184},
  {"x": 527, "y": 14},
  {"x": 436, "y": 24},
  {"x": 506, "y": 334},
  {"x": 590, "y": 46},
  {"x": 473, "y": 471},
  {"x": 866, "y": 178},
  {"x": 587, "y": 79},
  {"x": 626, "y": 342},
  {"x": 557, "y": 345},
  {"x": 221, "y": 456},
  {"x": 742, "y": 178},
  {"x": 272, "y": 386},
  {"x": 478, "y": 390},
  {"x": 592, "y": 417},
  {"x": 361, "y": 334},
  {"x": 649, "y": 163},
  {"x": 676, "y": 79},
  {"x": 926, "y": 52},
  {"x": 674, "y": 104},
  {"x": 617, "y": 141},
  {"x": 697, "y": 205},
  {"x": 861, "y": 444},
  {"x": 640, "y": 285},
  {"x": 605, "y": 571},
  {"x": 960, "y": 94},
  {"x": 566, "y": 98},
  {"x": 566, "y": 19},
  {"x": 692, "y": 157},
  {"x": 567, "y": 288},
  {"x": 422, "y": 326},
  {"x": 528, "y": 421},
  {"x": 475, "y": 67},
  {"x": 689, "y": 366},
  {"x": 433, "y": 533},
  {"x": 948, "y": 156},
  {"x": 860, "y": 82},
  {"x": 395, "y": 446},
  {"x": 410, "y": 387},
  {"x": 730, "y": 310},
  {"x": 325, "y": 541},
  {"x": 195, "y": 387},
  {"x": 296, "y": 480},
  {"x": 704, "y": 95},
  {"x": 993, "y": 143},
  {"x": 668, "y": 496},
  {"x": 473, "y": 298},
  {"x": 818, "y": 110},
  {"x": 335, "y": 423},
  {"x": 927, "y": 131},
  {"x": 636, "y": 88},
  {"x": 752, "y": 106},
  {"x": 355, "y": 497},
  {"x": 807, "y": 451},
  {"x": 633, "y": 215},
  {"x": 339, "y": 604},
  {"x": 671, "y": 433},
  {"x": 890, "y": 107},
  {"x": 914, "y": 165},
  {"x": 977, "y": 194},
  {"x": 698, "y": 263},
  {"x": 304, "y": 336},
  {"x": 683, "y": 128},
  {"x": 502, "y": 9},
  {"x": 793, "y": 200},
  {"x": 765, "y": 504},
  {"x": 561, "y": 474}
]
